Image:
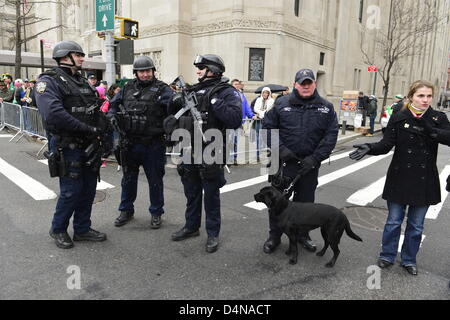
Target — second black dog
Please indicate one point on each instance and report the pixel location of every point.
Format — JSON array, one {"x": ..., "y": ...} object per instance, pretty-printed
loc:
[{"x": 296, "y": 217}]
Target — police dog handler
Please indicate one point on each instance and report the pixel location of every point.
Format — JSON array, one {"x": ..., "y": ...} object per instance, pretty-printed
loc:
[
  {"x": 69, "y": 106},
  {"x": 308, "y": 130}
]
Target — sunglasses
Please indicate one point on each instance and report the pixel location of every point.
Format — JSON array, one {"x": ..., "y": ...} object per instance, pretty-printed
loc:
[{"x": 201, "y": 67}]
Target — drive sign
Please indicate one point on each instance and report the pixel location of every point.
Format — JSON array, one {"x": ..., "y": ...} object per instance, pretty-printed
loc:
[{"x": 104, "y": 14}]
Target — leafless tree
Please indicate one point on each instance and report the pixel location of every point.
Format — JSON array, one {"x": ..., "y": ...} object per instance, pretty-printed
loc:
[
  {"x": 24, "y": 17},
  {"x": 409, "y": 22}
]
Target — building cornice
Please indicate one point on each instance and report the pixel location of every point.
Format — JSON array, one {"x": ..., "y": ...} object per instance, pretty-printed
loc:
[{"x": 238, "y": 25}]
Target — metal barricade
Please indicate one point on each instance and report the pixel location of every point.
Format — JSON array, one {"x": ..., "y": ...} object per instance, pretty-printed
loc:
[
  {"x": 32, "y": 122},
  {"x": 2, "y": 121},
  {"x": 33, "y": 125},
  {"x": 247, "y": 143},
  {"x": 26, "y": 120},
  {"x": 12, "y": 117}
]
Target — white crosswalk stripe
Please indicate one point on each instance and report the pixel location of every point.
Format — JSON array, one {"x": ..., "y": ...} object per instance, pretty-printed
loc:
[
  {"x": 433, "y": 211},
  {"x": 367, "y": 195},
  {"x": 32, "y": 187},
  {"x": 323, "y": 180},
  {"x": 402, "y": 238}
]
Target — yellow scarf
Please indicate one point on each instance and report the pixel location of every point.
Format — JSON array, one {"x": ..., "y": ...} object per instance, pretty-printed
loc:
[{"x": 416, "y": 112}]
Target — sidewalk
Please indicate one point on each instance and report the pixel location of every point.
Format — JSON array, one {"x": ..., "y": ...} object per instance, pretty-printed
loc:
[{"x": 351, "y": 134}]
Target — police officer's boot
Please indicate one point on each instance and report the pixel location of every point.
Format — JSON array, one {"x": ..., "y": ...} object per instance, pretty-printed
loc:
[
  {"x": 156, "y": 222},
  {"x": 271, "y": 244},
  {"x": 91, "y": 235},
  {"x": 123, "y": 218},
  {"x": 184, "y": 233},
  {"x": 62, "y": 239},
  {"x": 212, "y": 244},
  {"x": 307, "y": 243}
]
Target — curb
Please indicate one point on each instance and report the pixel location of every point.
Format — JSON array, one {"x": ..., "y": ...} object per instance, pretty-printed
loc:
[{"x": 345, "y": 138}]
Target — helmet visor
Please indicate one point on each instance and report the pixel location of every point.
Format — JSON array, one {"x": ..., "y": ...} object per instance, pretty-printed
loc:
[{"x": 200, "y": 60}]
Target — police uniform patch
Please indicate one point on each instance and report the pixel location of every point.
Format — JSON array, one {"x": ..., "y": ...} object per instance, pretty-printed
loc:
[{"x": 41, "y": 86}]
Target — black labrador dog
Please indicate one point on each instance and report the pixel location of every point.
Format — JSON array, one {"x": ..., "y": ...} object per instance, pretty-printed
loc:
[{"x": 296, "y": 217}]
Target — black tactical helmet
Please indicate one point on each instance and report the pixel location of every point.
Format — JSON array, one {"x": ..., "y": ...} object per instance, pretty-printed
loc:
[
  {"x": 143, "y": 63},
  {"x": 214, "y": 63},
  {"x": 63, "y": 48}
]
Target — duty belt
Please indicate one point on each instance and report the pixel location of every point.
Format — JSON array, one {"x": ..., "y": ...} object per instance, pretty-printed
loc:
[{"x": 73, "y": 142}]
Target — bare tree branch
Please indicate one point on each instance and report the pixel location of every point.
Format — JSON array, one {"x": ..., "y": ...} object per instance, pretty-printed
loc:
[
  {"x": 39, "y": 33},
  {"x": 410, "y": 21}
]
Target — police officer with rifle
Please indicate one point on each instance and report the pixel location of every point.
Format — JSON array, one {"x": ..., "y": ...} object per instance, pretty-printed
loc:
[
  {"x": 219, "y": 107},
  {"x": 69, "y": 107},
  {"x": 137, "y": 113}
]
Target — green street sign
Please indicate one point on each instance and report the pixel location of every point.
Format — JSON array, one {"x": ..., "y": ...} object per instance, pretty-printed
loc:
[{"x": 104, "y": 14}]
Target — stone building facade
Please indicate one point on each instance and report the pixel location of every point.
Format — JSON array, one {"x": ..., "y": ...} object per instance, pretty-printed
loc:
[{"x": 261, "y": 41}]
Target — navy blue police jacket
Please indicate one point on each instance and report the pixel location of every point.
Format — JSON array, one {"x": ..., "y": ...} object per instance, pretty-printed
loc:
[
  {"x": 307, "y": 127},
  {"x": 227, "y": 108},
  {"x": 163, "y": 99},
  {"x": 49, "y": 100}
]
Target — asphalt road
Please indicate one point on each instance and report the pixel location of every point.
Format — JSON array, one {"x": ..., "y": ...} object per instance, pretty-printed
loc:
[{"x": 137, "y": 262}]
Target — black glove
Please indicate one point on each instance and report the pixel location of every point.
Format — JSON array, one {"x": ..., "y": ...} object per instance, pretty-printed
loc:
[
  {"x": 94, "y": 131},
  {"x": 362, "y": 150},
  {"x": 447, "y": 187},
  {"x": 286, "y": 154},
  {"x": 307, "y": 165},
  {"x": 170, "y": 124},
  {"x": 176, "y": 103}
]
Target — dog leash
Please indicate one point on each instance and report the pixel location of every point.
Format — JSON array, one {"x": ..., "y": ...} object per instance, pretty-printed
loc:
[{"x": 288, "y": 189}]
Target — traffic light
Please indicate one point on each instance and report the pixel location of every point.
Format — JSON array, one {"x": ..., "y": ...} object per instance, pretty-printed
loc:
[
  {"x": 124, "y": 53},
  {"x": 129, "y": 28}
]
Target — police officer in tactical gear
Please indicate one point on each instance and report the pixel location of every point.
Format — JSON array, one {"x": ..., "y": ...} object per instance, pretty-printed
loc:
[
  {"x": 220, "y": 107},
  {"x": 138, "y": 112},
  {"x": 69, "y": 108},
  {"x": 308, "y": 130}
]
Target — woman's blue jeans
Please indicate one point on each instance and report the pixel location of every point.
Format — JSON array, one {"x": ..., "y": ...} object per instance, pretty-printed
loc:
[{"x": 413, "y": 233}]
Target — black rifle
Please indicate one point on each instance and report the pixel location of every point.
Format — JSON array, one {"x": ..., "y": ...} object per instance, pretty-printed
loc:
[
  {"x": 190, "y": 104},
  {"x": 100, "y": 146},
  {"x": 124, "y": 143}
]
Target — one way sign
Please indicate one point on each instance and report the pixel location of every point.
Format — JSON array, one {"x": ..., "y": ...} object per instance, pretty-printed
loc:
[{"x": 104, "y": 14}]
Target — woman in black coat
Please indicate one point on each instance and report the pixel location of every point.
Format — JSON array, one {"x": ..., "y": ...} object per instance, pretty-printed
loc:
[{"x": 412, "y": 179}]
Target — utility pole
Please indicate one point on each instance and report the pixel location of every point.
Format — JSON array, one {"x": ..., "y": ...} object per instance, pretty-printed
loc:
[{"x": 110, "y": 63}]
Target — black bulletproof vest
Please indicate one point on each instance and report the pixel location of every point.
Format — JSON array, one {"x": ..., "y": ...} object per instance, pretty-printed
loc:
[
  {"x": 79, "y": 96},
  {"x": 204, "y": 97},
  {"x": 144, "y": 116}
]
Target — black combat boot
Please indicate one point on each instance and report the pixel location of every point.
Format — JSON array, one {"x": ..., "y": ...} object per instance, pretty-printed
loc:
[
  {"x": 271, "y": 244},
  {"x": 62, "y": 239},
  {"x": 91, "y": 235},
  {"x": 123, "y": 218},
  {"x": 212, "y": 244},
  {"x": 184, "y": 233},
  {"x": 156, "y": 222}
]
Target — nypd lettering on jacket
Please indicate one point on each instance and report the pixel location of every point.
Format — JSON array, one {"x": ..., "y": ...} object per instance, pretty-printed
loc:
[{"x": 306, "y": 126}]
